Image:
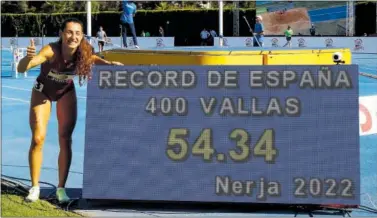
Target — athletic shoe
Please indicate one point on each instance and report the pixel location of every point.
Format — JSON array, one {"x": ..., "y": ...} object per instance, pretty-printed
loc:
[
  {"x": 62, "y": 196},
  {"x": 33, "y": 194}
]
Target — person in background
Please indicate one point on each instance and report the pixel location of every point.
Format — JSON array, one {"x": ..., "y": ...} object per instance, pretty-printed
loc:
[
  {"x": 101, "y": 38},
  {"x": 127, "y": 20},
  {"x": 145, "y": 34},
  {"x": 213, "y": 35},
  {"x": 288, "y": 35},
  {"x": 258, "y": 32},
  {"x": 312, "y": 30},
  {"x": 204, "y": 35},
  {"x": 161, "y": 32}
]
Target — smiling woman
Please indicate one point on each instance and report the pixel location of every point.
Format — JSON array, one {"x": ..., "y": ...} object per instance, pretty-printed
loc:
[{"x": 60, "y": 62}]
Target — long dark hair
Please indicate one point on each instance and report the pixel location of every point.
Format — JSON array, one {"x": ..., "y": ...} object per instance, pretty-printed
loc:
[{"x": 83, "y": 55}]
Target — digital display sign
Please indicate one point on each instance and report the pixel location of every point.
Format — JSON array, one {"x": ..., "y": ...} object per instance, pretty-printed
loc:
[{"x": 258, "y": 134}]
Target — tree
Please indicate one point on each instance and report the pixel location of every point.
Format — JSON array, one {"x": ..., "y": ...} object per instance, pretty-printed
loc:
[{"x": 14, "y": 6}]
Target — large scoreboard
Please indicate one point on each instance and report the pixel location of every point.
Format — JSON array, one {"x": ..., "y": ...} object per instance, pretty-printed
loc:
[{"x": 258, "y": 134}]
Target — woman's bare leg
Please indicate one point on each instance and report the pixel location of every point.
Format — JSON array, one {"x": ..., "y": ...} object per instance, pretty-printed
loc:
[
  {"x": 40, "y": 109},
  {"x": 66, "y": 109}
]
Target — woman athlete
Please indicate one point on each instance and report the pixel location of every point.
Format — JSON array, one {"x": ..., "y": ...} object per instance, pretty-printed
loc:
[{"x": 60, "y": 62}]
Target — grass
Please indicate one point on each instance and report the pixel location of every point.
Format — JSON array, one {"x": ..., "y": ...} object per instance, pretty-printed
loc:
[{"x": 14, "y": 205}]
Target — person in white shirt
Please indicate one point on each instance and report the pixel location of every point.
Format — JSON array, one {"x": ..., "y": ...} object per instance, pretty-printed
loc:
[
  {"x": 101, "y": 38},
  {"x": 204, "y": 35}
]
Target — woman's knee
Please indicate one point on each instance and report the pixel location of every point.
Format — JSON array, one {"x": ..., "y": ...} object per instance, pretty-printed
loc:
[
  {"x": 65, "y": 140},
  {"x": 38, "y": 141},
  {"x": 66, "y": 125},
  {"x": 65, "y": 134}
]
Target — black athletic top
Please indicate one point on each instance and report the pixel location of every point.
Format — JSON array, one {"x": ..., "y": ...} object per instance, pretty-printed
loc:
[{"x": 56, "y": 76}]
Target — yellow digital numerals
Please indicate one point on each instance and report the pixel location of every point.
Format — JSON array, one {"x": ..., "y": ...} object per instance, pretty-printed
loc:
[{"x": 179, "y": 149}]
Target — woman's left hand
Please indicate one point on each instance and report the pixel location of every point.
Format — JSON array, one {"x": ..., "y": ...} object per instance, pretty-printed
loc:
[{"x": 116, "y": 63}]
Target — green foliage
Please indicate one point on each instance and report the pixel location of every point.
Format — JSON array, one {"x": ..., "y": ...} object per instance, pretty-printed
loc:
[
  {"x": 163, "y": 6},
  {"x": 159, "y": 10},
  {"x": 107, "y": 5},
  {"x": 14, "y": 6},
  {"x": 31, "y": 24},
  {"x": 57, "y": 7}
]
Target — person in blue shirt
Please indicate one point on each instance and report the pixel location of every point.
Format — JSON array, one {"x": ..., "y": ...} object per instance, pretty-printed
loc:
[
  {"x": 127, "y": 19},
  {"x": 258, "y": 32}
]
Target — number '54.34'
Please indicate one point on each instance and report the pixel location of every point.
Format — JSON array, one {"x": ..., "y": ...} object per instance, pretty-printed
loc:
[{"x": 179, "y": 149}]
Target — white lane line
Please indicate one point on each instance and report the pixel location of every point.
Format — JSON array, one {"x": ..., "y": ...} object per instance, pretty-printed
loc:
[
  {"x": 29, "y": 90},
  {"x": 16, "y": 99},
  {"x": 16, "y": 88}
]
